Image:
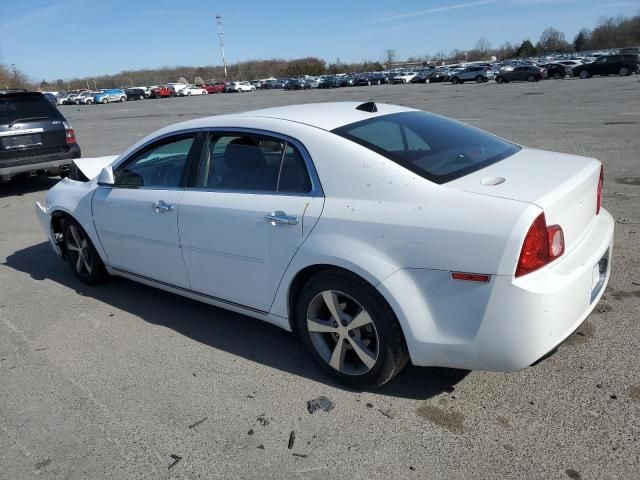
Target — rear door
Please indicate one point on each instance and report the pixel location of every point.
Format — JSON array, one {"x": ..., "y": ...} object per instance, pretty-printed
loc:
[
  {"x": 255, "y": 201},
  {"x": 137, "y": 218},
  {"x": 29, "y": 126}
]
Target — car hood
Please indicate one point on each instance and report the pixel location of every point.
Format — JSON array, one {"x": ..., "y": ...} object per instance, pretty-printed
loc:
[{"x": 91, "y": 167}]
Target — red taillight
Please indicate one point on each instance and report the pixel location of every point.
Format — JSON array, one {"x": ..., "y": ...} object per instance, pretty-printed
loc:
[
  {"x": 71, "y": 136},
  {"x": 599, "y": 191},
  {"x": 541, "y": 245}
]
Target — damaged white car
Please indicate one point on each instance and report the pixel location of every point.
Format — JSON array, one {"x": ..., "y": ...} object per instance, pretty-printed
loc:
[{"x": 379, "y": 234}]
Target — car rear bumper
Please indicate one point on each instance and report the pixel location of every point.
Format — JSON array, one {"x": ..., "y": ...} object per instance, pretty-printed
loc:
[
  {"x": 49, "y": 164},
  {"x": 508, "y": 323}
]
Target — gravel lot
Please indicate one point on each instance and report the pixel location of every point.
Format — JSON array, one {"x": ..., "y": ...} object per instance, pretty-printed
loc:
[{"x": 111, "y": 381}]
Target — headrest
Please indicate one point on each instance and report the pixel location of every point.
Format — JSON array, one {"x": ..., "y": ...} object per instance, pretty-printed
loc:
[{"x": 241, "y": 154}]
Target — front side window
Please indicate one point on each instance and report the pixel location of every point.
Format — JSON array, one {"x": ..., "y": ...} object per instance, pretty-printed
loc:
[
  {"x": 252, "y": 163},
  {"x": 436, "y": 148},
  {"x": 158, "y": 166}
]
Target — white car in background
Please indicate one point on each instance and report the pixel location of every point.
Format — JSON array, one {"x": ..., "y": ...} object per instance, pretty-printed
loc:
[
  {"x": 378, "y": 233},
  {"x": 404, "y": 77},
  {"x": 241, "y": 87},
  {"x": 191, "y": 90}
]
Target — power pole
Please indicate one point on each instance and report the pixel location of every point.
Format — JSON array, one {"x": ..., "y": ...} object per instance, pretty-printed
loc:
[{"x": 221, "y": 36}]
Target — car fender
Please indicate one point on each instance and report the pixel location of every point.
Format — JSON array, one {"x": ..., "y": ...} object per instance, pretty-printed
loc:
[{"x": 74, "y": 198}]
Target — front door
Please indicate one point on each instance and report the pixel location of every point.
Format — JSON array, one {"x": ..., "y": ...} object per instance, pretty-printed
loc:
[
  {"x": 137, "y": 218},
  {"x": 253, "y": 206}
]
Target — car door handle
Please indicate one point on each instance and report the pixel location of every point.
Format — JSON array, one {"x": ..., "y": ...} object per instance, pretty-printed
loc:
[
  {"x": 280, "y": 218},
  {"x": 161, "y": 207}
]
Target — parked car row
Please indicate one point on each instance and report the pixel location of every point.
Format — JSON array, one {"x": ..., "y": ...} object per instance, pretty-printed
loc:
[{"x": 625, "y": 62}]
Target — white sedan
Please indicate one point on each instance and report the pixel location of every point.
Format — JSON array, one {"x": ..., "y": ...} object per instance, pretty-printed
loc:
[
  {"x": 191, "y": 90},
  {"x": 241, "y": 87},
  {"x": 379, "y": 234}
]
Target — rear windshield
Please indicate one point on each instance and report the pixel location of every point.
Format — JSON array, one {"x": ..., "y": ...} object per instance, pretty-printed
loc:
[
  {"x": 434, "y": 147},
  {"x": 16, "y": 108}
]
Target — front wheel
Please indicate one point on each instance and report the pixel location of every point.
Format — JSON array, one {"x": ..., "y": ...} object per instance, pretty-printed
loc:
[
  {"x": 531, "y": 78},
  {"x": 499, "y": 79},
  {"x": 584, "y": 74},
  {"x": 455, "y": 80},
  {"x": 479, "y": 79},
  {"x": 624, "y": 71},
  {"x": 82, "y": 255},
  {"x": 123, "y": 99},
  {"x": 350, "y": 330}
]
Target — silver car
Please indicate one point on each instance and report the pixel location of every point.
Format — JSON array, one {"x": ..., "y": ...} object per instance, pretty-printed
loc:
[{"x": 479, "y": 74}]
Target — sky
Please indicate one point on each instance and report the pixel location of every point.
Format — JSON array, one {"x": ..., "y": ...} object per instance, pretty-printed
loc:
[{"x": 54, "y": 39}]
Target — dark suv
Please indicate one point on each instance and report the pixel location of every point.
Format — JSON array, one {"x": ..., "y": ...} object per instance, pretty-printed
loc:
[
  {"x": 34, "y": 136},
  {"x": 622, "y": 65}
]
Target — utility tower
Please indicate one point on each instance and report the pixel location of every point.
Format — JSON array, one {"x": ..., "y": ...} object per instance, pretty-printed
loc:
[{"x": 221, "y": 36}]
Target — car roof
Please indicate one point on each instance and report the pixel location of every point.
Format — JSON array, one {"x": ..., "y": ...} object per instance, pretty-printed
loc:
[{"x": 326, "y": 116}]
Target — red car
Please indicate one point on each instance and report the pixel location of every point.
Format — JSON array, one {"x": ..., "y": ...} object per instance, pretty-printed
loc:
[
  {"x": 215, "y": 88},
  {"x": 161, "y": 92}
]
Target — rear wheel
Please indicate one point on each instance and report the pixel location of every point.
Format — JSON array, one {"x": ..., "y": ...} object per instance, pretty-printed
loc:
[
  {"x": 531, "y": 78},
  {"x": 584, "y": 74},
  {"x": 123, "y": 99},
  {"x": 499, "y": 79},
  {"x": 141, "y": 97},
  {"x": 455, "y": 80},
  {"x": 105, "y": 100},
  {"x": 624, "y": 71},
  {"x": 479, "y": 79},
  {"x": 350, "y": 330},
  {"x": 557, "y": 75},
  {"x": 82, "y": 255}
]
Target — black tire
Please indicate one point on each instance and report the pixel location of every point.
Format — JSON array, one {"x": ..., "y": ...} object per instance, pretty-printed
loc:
[
  {"x": 557, "y": 75},
  {"x": 624, "y": 71},
  {"x": 105, "y": 100},
  {"x": 531, "y": 78},
  {"x": 455, "y": 80},
  {"x": 584, "y": 74},
  {"x": 392, "y": 353},
  {"x": 123, "y": 99},
  {"x": 499, "y": 79},
  {"x": 479, "y": 79},
  {"x": 91, "y": 270}
]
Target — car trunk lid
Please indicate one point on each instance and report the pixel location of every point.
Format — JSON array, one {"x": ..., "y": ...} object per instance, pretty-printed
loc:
[{"x": 563, "y": 185}]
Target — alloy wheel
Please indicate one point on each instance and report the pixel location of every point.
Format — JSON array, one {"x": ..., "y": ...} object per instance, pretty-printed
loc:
[
  {"x": 78, "y": 250},
  {"x": 343, "y": 333}
]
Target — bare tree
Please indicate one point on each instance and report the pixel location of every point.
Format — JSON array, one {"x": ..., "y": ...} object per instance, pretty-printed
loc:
[
  {"x": 551, "y": 41},
  {"x": 390, "y": 57},
  {"x": 483, "y": 46}
]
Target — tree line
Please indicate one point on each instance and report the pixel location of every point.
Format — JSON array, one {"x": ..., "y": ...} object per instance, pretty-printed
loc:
[{"x": 608, "y": 33}]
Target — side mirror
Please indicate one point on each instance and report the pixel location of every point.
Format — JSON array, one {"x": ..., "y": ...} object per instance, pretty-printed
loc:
[{"x": 106, "y": 177}]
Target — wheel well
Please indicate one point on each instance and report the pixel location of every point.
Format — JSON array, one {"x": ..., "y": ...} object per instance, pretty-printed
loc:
[
  {"x": 301, "y": 278},
  {"x": 58, "y": 220}
]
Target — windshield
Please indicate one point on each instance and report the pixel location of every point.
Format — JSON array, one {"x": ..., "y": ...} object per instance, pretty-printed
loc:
[{"x": 436, "y": 148}]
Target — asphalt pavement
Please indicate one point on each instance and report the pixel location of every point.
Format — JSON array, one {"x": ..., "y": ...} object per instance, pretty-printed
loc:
[{"x": 123, "y": 381}]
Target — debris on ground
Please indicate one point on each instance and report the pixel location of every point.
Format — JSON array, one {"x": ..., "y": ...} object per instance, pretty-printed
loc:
[
  {"x": 369, "y": 405},
  {"x": 250, "y": 432},
  {"x": 261, "y": 447},
  {"x": 263, "y": 421},
  {"x": 176, "y": 459},
  {"x": 194, "y": 425},
  {"x": 301, "y": 455},
  {"x": 389, "y": 413},
  {"x": 292, "y": 438},
  {"x": 320, "y": 403}
]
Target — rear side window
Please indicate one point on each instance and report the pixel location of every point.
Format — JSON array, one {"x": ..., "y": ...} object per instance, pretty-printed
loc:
[
  {"x": 434, "y": 147},
  {"x": 253, "y": 163},
  {"x": 25, "y": 108}
]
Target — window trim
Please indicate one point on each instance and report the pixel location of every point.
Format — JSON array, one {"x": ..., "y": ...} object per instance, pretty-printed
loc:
[{"x": 316, "y": 187}]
